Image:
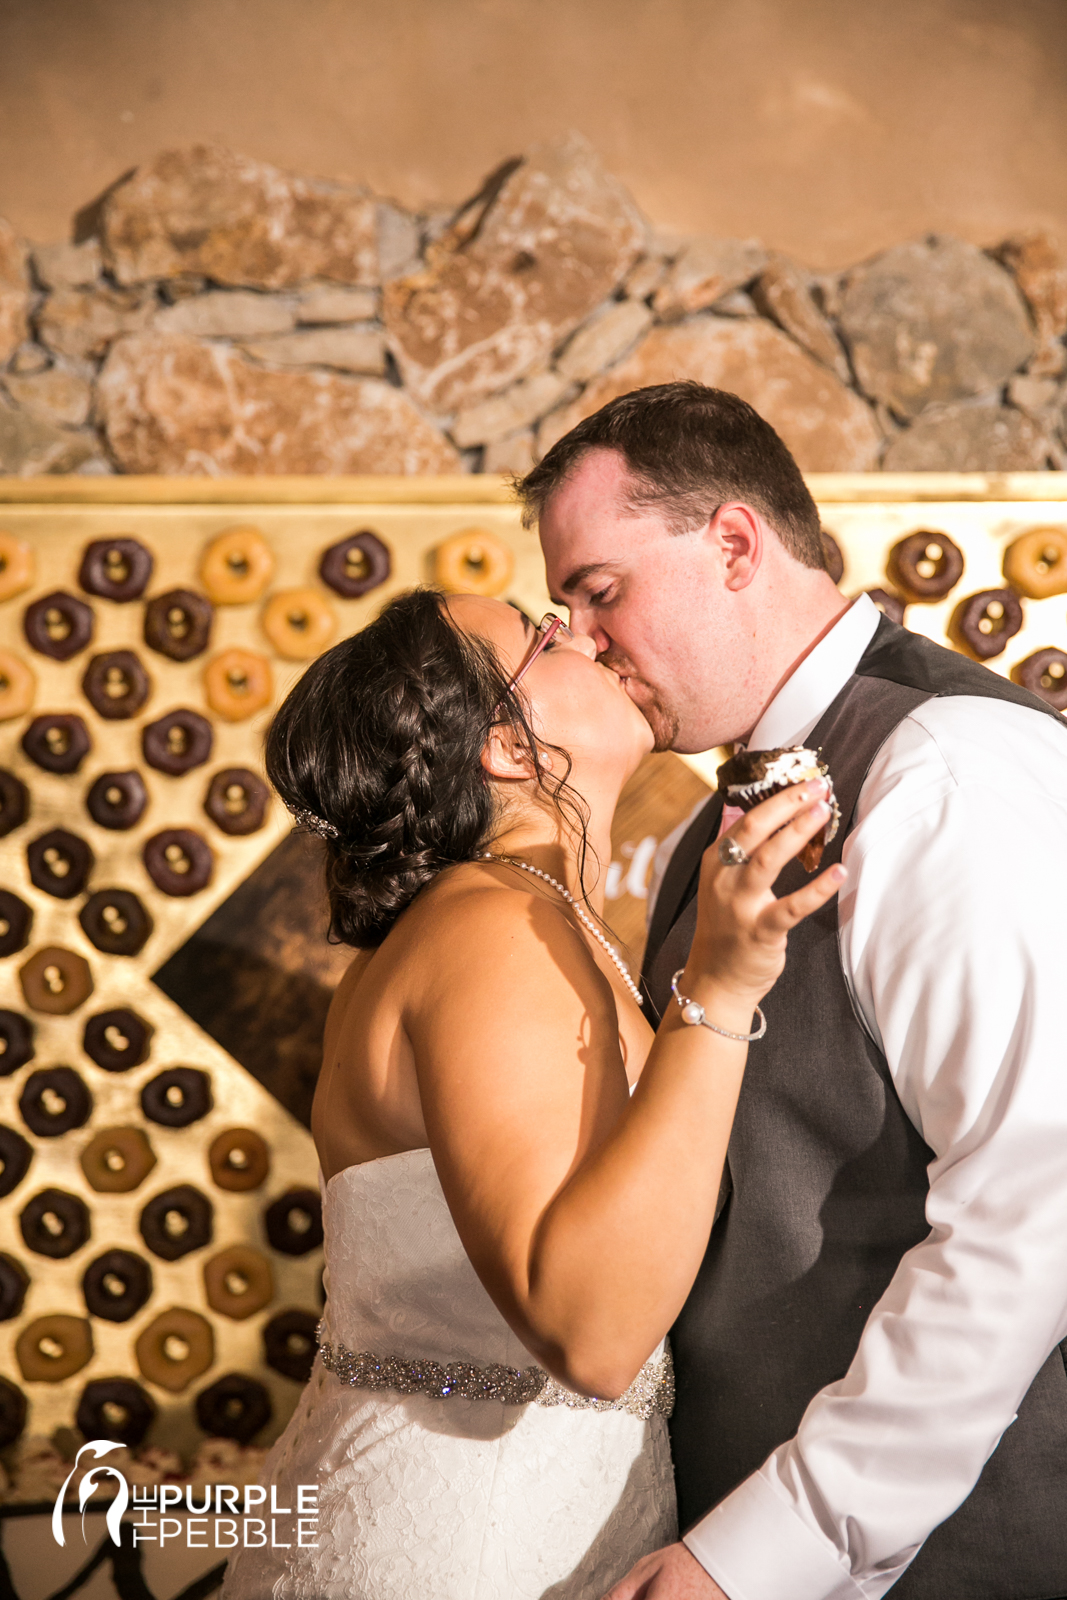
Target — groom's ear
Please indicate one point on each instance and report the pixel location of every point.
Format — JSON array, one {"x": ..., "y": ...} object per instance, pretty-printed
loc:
[
  {"x": 506, "y": 756},
  {"x": 738, "y": 533}
]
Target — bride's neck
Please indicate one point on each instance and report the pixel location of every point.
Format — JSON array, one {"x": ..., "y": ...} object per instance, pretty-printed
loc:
[{"x": 537, "y": 834}]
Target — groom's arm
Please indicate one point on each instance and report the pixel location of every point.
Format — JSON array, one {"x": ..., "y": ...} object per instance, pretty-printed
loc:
[{"x": 952, "y": 936}]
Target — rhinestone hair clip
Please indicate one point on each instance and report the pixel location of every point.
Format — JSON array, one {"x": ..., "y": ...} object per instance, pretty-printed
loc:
[{"x": 312, "y": 823}]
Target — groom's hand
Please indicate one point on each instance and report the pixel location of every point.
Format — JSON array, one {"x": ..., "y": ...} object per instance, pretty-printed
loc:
[{"x": 669, "y": 1574}]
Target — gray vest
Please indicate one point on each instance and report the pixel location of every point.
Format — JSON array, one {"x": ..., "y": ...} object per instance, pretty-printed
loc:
[{"x": 825, "y": 1191}]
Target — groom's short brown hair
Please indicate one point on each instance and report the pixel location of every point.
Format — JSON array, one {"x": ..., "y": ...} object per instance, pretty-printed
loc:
[{"x": 689, "y": 449}]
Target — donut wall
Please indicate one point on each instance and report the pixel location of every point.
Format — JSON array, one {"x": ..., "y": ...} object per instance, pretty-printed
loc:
[{"x": 160, "y": 1233}]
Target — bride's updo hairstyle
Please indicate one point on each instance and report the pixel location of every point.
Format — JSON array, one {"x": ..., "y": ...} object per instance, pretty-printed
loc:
[{"x": 380, "y": 741}]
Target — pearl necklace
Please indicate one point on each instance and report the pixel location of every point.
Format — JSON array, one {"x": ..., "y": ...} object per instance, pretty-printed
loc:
[{"x": 586, "y": 921}]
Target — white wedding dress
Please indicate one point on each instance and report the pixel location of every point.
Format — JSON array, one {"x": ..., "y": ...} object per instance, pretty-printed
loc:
[{"x": 454, "y": 1498}]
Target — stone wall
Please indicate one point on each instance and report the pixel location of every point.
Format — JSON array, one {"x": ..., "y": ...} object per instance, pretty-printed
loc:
[{"x": 217, "y": 316}]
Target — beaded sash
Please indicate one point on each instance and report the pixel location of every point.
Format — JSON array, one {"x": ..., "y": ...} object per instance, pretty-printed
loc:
[{"x": 652, "y": 1390}]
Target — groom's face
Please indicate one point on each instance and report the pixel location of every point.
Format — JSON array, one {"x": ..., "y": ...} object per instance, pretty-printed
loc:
[{"x": 652, "y": 600}]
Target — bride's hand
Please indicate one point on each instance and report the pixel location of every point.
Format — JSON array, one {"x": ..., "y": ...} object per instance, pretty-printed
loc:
[{"x": 740, "y": 941}]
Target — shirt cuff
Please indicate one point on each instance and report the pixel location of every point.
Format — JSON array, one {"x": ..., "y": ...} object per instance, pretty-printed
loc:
[{"x": 756, "y": 1548}]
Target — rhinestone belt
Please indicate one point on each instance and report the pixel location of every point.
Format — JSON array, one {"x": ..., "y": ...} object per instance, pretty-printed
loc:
[{"x": 652, "y": 1390}]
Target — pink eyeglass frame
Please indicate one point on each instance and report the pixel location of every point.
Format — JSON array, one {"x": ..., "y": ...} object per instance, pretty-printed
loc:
[{"x": 547, "y": 634}]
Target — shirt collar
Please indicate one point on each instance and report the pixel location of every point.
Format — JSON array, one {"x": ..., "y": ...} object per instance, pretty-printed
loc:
[{"x": 816, "y": 682}]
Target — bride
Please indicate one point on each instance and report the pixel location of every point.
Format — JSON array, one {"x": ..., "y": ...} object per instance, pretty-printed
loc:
[{"x": 519, "y": 1176}]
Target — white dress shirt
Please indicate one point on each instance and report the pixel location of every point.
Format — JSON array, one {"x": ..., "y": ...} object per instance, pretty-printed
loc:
[{"x": 952, "y": 940}]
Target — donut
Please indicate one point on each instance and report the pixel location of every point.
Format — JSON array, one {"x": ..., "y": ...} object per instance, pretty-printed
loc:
[
  {"x": 115, "y": 569},
  {"x": 14, "y": 802},
  {"x": 16, "y": 920},
  {"x": 17, "y": 567},
  {"x": 117, "y": 1160},
  {"x": 356, "y": 565},
  {"x": 238, "y": 1282},
  {"x": 16, "y": 1042},
  {"x": 983, "y": 623},
  {"x": 177, "y": 1097},
  {"x": 117, "y": 1040},
  {"x": 1045, "y": 674},
  {"x": 290, "y": 1342},
  {"x": 178, "y": 624},
  {"x": 115, "y": 1408},
  {"x": 55, "y": 1224},
  {"x": 237, "y": 684},
  {"x": 116, "y": 685},
  {"x": 178, "y": 861},
  {"x": 239, "y": 1160},
  {"x": 176, "y": 1347},
  {"x": 116, "y": 1285},
  {"x": 17, "y": 686},
  {"x": 1036, "y": 563},
  {"x": 473, "y": 562},
  {"x": 236, "y": 800},
  {"x": 16, "y": 1153},
  {"x": 53, "y": 1101},
  {"x": 56, "y": 981},
  {"x": 236, "y": 567},
  {"x": 14, "y": 1281},
  {"x": 57, "y": 742},
  {"x": 833, "y": 560},
  {"x": 178, "y": 742},
  {"x": 299, "y": 623},
  {"x": 58, "y": 625},
  {"x": 177, "y": 1221},
  {"x": 294, "y": 1222},
  {"x": 234, "y": 1407},
  {"x": 59, "y": 863},
  {"x": 54, "y": 1347},
  {"x": 925, "y": 565},
  {"x": 12, "y": 1412},
  {"x": 117, "y": 800},
  {"x": 890, "y": 605},
  {"x": 116, "y": 922}
]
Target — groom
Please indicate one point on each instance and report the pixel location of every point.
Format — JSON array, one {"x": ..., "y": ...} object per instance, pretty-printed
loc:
[{"x": 871, "y": 1385}]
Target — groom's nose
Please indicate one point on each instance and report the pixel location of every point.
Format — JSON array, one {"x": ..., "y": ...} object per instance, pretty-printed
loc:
[{"x": 583, "y": 622}]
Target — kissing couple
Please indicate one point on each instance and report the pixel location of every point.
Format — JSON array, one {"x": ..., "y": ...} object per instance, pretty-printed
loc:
[{"x": 818, "y": 1154}]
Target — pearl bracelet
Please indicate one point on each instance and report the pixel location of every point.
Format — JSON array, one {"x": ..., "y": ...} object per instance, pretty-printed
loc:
[{"x": 693, "y": 1015}]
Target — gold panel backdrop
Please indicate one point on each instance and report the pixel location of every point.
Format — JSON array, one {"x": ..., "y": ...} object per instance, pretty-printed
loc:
[{"x": 243, "y": 969}]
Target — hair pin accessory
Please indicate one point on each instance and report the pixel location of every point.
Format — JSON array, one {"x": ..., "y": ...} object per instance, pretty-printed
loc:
[{"x": 311, "y": 822}]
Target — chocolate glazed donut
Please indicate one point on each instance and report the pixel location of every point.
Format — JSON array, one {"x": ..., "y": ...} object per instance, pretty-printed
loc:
[
  {"x": 14, "y": 1281},
  {"x": 53, "y": 1101},
  {"x": 177, "y": 1221},
  {"x": 236, "y": 801},
  {"x": 115, "y": 569},
  {"x": 234, "y": 1407},
  {"x": 1045, "y": 674},
  {"x": 116, "y": 1285},
  {"x": 16, "y": 1153},
  {"x": 289, "y": 1344},
  {"x": 55, "y": 1224},
  {"x": 177, "y": 1097},
  {"x": 117, "y": 1040},
  {"x": 58, "y": 625},
  {"x": 16, "y": 920},
  {"x": 116, "y": 922},
  {"x": 12, "y": 1413},
  {"x": 178, "y": 742},
  {"x": 178, "y": 624},
  {"x": 57, "y": 742},
  {"x": 356, "y": 565},
  {"x": 117, "y": 800},
  {"x": 14, "y": 802},
  {"x": 59, "y": 863},
  {"x": 294, "y": 1222},
  {"x": 16, "y": 1042},
  {"x": 178, "y": 861},
  {"x": 115, "y": 1408},
  {"x": 116, "y": 685}
]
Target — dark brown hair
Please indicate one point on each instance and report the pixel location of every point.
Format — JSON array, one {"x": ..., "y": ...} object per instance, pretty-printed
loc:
[
  {"x": 689, "y": 449},
  {"x": 381, "y": 740}
]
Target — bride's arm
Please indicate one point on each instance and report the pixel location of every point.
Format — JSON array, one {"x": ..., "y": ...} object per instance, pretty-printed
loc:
[{"x": 586, "y": 1213}]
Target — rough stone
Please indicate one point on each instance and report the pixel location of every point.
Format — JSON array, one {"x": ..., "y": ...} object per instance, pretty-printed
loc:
[
  {"x": 523, "y": 403},
  {"x": 29, "y": 357},
  {"x": 228, "y": 314},
  {"x": 604, "y": 338},
  {"x": 933, "y": 321},
  {"x": 186, "y": 406},
  {"x": 237, "y": 221},
  {"x": 513, "y": 455},
  {"x": 14, "y": 291},
  {"x": 346, "y": 349},
  {"x": 56, "y": 395},
  {"x": 783, "y": 293},
  {"x": 83, "y": 323},
  {"x": 1039, "y": 266},
  {"x": 29, "y": 446},
  {"x": 706, "y": 269},
  {"x": 326, "y": 302},
  {"x": 545, "y": 242},
  {"x": 1036, "y": 396},
  {"x": 399, "y": 241},
  {"x": 825, "y": 425},
  {"x": 970, "y": 437},
  {"x": 645, "y": 277},
  {"x": 735, "y": 304},
  {"x": 68, "y": 266}
]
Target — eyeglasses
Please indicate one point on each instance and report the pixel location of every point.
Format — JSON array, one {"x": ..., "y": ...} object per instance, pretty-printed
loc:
[{"x": 549, "y": 626}]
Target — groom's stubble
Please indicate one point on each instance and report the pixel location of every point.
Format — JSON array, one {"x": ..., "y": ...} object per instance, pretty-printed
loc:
[{"x": 661, "y": 719}]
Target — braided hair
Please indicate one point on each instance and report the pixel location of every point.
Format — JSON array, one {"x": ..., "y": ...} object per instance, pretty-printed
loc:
[{"x": 378, "y": 747}]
